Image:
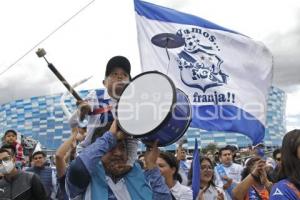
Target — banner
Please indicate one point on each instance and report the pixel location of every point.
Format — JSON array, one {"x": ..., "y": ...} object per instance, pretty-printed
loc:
[{"x": 225, "y": 74}]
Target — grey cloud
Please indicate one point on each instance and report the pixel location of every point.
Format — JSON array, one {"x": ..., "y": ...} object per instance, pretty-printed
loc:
[
  {"x": 27, "y": 80},
  {"x": 286, "y": 52}
]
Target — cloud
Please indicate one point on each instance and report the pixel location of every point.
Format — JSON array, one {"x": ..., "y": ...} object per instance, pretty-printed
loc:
[
  {"x": 27, "y": 80},
  {"x": 286, "y": 52}
]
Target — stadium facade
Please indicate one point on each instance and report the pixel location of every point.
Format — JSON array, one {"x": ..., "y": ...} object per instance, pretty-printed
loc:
[{"x": 43, "y": 119}]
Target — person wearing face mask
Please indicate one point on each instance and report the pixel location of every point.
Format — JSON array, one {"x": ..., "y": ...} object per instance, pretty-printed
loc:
[
  {"x": 10, "y": 138},
  {"x": 15, "y": 184}
]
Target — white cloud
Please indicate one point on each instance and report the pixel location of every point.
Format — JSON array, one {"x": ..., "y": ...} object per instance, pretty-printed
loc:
[
  {"x": 82, "y": 47},
  {"x": 293, "y": 107}
]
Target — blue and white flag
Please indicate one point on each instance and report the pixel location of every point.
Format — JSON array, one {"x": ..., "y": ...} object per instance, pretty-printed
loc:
[
  {"x": 196, "y": 171},
  {"x": 225, "y": 74}
]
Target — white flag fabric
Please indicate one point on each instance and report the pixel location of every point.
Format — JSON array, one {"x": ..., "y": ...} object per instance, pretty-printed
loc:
[{"x": 226, "y": 75}]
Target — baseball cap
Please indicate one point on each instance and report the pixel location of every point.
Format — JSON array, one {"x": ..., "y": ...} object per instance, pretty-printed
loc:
[{"x": 117, "y": 61}]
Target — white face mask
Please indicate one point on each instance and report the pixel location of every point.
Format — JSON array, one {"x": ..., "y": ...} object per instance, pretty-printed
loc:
[{"x": 7, "y": 167}]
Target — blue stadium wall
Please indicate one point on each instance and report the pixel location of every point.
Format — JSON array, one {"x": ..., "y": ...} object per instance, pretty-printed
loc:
[{"x": 43, "y": 119}]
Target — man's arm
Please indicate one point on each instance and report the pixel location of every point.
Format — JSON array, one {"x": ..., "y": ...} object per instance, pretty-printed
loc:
[
  {"x": 92, "y": 154},
  {"x": 82, "y": 168},
  {"x": 62, "y": 151},
  {"x": 159, "y": 187}
]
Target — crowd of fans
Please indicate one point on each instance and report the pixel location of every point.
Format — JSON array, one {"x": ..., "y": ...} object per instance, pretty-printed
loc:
[
  {"x": 102, "y": 162},
  {"x": 154, "y": 174}
]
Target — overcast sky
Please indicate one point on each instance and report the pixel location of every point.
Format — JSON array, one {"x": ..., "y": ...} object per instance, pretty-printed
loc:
[{"x": 82, "y": 46}]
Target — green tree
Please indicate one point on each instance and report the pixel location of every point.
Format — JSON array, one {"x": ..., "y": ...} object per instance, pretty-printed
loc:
[{"x": 212, "y": 147}]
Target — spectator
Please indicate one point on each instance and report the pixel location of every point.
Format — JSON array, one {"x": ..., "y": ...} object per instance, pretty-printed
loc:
[
  {"x": 168, "y": 167},
  {"x": 45, "y": 173},
  {"x": 277, "y": 157},
  {"x": 270, "y": 169},
  {"x": 101, "y": 171},
  {"x": 101, "y": 107},
  {"x": 216, "y": 158},
  {"x": 228, "y": 174},
  {"x": 211, "y": 156},
  {"x": 141, "y": 159},
  {"x": 255, "y": 184},
  {"x": 62, "y": 155},
  {"x": 184, "y": 165},
  {"x": 208, "y": 189},
  {"x": 234, "y": 150},
  {"x": 16, "y": 184},
  {"x": 288, "y": 188},
  {"x": 10, "y": 137}
]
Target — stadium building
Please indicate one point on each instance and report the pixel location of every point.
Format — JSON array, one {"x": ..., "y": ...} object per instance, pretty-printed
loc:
[{"x": 43, "y": 119}]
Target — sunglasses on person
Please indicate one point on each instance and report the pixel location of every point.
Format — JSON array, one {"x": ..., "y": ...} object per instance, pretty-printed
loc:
[
  {"x": 278, "y": 159},
  {"x": 5, "y": 159}
]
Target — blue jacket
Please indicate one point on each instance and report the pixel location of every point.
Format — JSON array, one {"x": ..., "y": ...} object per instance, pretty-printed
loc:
[
  {"x": 83, "y": 169},
  {"x": 46, "y": 176}
]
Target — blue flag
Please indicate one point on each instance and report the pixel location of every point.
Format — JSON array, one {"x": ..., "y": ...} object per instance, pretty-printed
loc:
[
  {"x": 225, "y": 74},
  {"x": 196, "y": 171}
]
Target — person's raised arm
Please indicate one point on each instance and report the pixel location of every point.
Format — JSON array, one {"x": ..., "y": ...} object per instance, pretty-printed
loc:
[
  {"x": 240, "y": 191},
  {"x": 159, "y": 187},
  {"x": 82, "y": 168},
  {"x": 62, "y": 151}
]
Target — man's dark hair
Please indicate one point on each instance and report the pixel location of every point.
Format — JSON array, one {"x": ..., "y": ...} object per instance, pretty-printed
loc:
[
  {"x": 224, "y": 149},
  {"x": 39, "y": 152},
  {"x": 181, "y": 148},
  {"x": 10, "y": 131},
  {"x": 275, "y": 152},
  {"x": 232, "y": 147},
  {"x": 141, "y": 155},
  {"x": 11, "y": 148},
  {"x": 3, "y": 150}
]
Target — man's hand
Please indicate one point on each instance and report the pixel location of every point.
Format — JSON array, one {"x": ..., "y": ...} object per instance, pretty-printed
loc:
[
  {"x": 84, "y": 108},
  {"x": 228, "y": 183},
  {"x": 114, "y": 129},
  {"x": 151, "y": 156}
]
